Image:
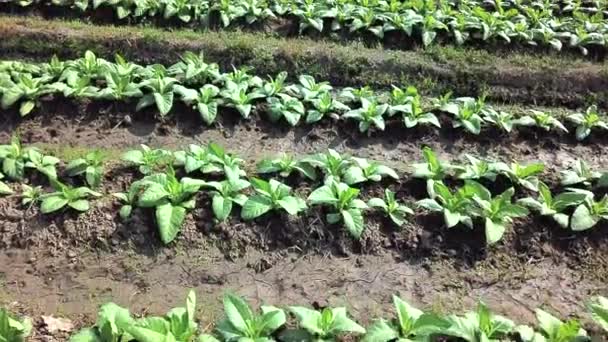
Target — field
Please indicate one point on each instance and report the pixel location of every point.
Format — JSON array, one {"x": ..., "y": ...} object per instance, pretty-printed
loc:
[{"x": 385, "y": 157}]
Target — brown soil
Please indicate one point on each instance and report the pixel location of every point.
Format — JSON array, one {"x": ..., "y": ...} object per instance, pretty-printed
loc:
[{"x": 67, "y": 264}]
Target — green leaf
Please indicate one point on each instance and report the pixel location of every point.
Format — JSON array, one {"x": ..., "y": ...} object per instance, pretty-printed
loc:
[
  {"x": 583, "y": 219},
  {"x": 292, "y": 205},
  {"x": 494, "y": 231},
  {"x": 153, "y": 195},
  {"x": 599, "y": 310},
  {"x": 353, "y": 220},
  {"x": 308, "y": 319},
  {"x": 26, "y": 107},
  {"x": 125, "y": 211},
  {"x": 80, "y": 205},
  {"x": 164, "y": 102},
  {"x": 380, "y": 331},
  {"x": 5, "y": 189},
  {"x": 256, "y": 206},
  {"x": 52, "y": 203},
  {"x": 238, "y": 312},
  {"x": 221, "y": 207},
  {"x": 322, "y": 195},
  {"x": 169, "y": 219}
]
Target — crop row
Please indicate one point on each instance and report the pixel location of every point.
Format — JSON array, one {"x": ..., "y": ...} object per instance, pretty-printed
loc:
[
  {"x": 337, "y": 179},
  {"x": 202, "y": 86},
  {"x": 576, "y": 24},
  {"x": 242, "y": 323}
]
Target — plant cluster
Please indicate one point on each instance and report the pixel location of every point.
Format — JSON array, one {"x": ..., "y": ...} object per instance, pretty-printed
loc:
[
  {"x": 575, "y": 24},
  {"x": 242, "y": 323},
  {"x": 170, "y": 182},
  {"x": 209, "y": 92}
]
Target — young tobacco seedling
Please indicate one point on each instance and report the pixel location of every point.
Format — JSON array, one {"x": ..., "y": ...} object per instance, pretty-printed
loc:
[
  {"x": 44, "y": 164},
  {"x": 503, "y": 120},
  {"x": 580, "y": 173},
  {"x": 91, "y": 166},
  {"x": 225, "y": 193},
  {"x": 331, "y": 163},
  {"x": 586, "y": 121},
  {"x": 30, "y": 195},
  {"x": 325, "y": 325},
  {"x": 498, "y": 212},
  {"x": 273, "y": 86},
  {"x": 285, "y": 106},
  {"x": 172, "y": 198},
  {"x": 4, "y": 188},
  {"x": 112, "y": 321},
  {"x": 477, "y": 169},
  {"x": 599, "y": 311},
  {"x": 356, "y": 95},
  {"x": 454, "y": 206},
  {"x": 432, "y": 169},
  {"x": 362, "y": 171},
  {"x": 325, "y": 105},
  {"x": 480, "y": 326},
  {"x": 14, "y": 330},
  {"x": 541, "y": 120},
  {"x": 389, "y": 205},
  {"x": 148, "y": 160},
  {"x": 242, "y": 324},
  {"x": 13, "y": 158},
  {"x": 236, "y": 96},
  {"x": 271, "y": 195},
  {"x": 414, "y": 114},
  {"x": 230, "y": 164},
  {"x": 161, "y": 93},
  {"x": 467, "y": 112},
  {"x": 547, "y": 205},
  {"x": 206, "y": 101},
  {"x": 213, "y": 159},
  {"x": 27, "y": 88},
  {"x": 64, "y": 195},
  {"x": 347, "y": 207},
  {"x": 552, "y": 330},
  {"x": 370, "y": 114},
  {"x": 590, "y": 212},
  {"x": 285, "y": 165},
  {"x": 177, "y": 325},
  {"x": 400, "y": 99},
  {"x": 410, "y": 324},
  {"x": 129, "y": 198},
  {"x": 309, "y": 89},
  {"x": 525, "y": 176}
]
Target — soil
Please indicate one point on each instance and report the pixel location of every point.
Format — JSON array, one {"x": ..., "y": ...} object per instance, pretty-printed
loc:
[{"x": 67, "y": 264}]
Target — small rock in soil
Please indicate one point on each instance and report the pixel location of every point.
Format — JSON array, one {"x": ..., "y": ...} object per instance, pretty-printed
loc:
[
  {"x": 53, "y": 325},
  {"x": 71, "y": 254}
]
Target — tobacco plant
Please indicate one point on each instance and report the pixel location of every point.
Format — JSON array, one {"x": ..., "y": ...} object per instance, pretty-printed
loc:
[
  {"x": 308, "y": 89},
  {"x": 331, "y": 163},
  {"x": 206, "y": 100},
  {"x": 161, "y": 93},
  {"x": 590, "y": 212},
  {"x": 410, "y": 324},
  {"x": 599, "y": 311},
  {"x": 552, "y": 330},
  {"x": 554, "y": 207},
  {"x": 13, "y": 158},
  {"x": 27, "y": 89},
  {"x": 324, "y": 325},
  {"x": 237, "y": 96},
  {"x": 65, "y": 195},
  {"x": 393, "y": 209},
  {"x": 12, "y": 329},
  {"x": 580, "y": 173},
  {"x": 432, "y": 169},
  {"x": 587, "y": 121},
  {"x": 91, "y": 166},
  {"x": 542, "y": 120},
  {"x": 225, "y": 194},
  {"x": 467, "y": 112},
  {"x": 171, "y": 198},
  {"x": 480, "y": 326},
  {"x": 525, "y": 176},
  {"x": 274, "y": 86},
  {"x": 363, "y": 170},
  {"x": 287, "y": 107},
  {"x": 345, "y": 204},
  {"x": 285, "y": 165},
  {"x": 371, "y": 114},
  {"x": 44, "y": 164},
  {"x": 271, "y": 195},
  {"x": 325, "y": 105},
  {"x": 477, "y": 169},
  {"x": 4, "y": 188},
  {"x": 455, "y": 206},
  {"x": 147, "y": 160},
  {"x": 243, "y": 324},
  {"x": 498, "y": 211},
  {"x": 414, "y": 114}
]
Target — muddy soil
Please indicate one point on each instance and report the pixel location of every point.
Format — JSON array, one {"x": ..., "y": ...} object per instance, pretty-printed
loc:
[{"x": 67, "y": 264}]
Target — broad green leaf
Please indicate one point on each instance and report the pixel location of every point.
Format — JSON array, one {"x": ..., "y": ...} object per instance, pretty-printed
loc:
[
  {"x": 169, "y": 219},
  {"x": 353, "y": 220},
  {"x": 255, "y": 206},
  {"x": 52, "y": 203},
  {"x": 494, "y": 231},
  {"x": 221, "y": 207},
  {"x": 583, "y": 219}
]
